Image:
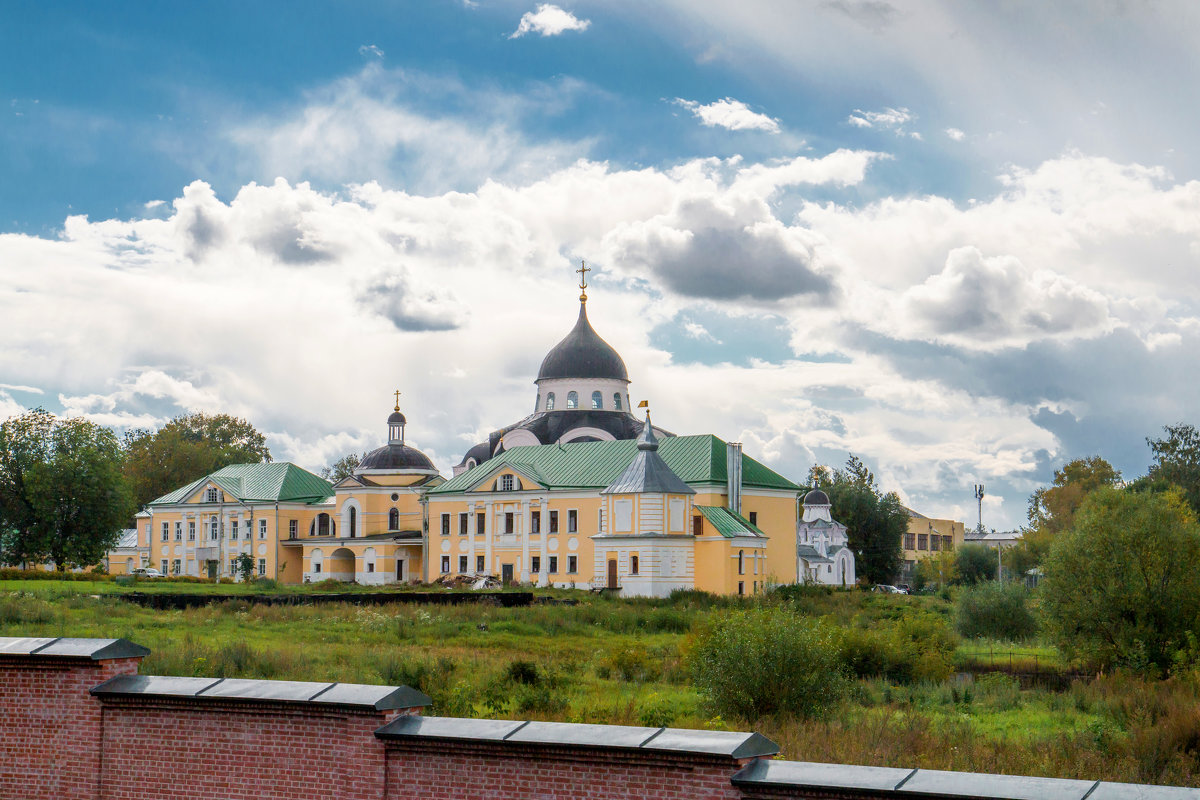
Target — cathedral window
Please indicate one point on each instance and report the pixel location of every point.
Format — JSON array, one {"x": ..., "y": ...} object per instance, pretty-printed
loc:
[
  {"x": 353, "y": 521},
  {"x": 394, "y": 520},
  {"x": 550, "y": 402},
  {"x": 597, "y": 400},
  {"x": 572, "y": 399},
  {"x": 617, "y": 401},
  {"x": 633, "y": 565}
]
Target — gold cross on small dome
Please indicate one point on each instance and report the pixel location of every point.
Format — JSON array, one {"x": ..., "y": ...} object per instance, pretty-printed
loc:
[
  {"x": 583, "y": 270},
  {"x": 397, "y": 399}
]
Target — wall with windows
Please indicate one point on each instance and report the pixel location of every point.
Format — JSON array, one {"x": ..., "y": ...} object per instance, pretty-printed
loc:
[
  {"x": 523, "y": 533},
  {"x": 584, "y": 394}
]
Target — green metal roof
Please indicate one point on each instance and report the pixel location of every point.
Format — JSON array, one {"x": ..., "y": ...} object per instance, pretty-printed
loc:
[
  {"x": 729, "y": 523},
  {"x": 594, "y": 465},
  {"x": 274, "y": 481}
]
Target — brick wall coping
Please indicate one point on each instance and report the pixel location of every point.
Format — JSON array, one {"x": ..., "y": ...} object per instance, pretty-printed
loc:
[
  {"x": 344, "y": 695},
  {"x": 928, "y": 783},
  {"x": 675, "y": 740},
  {"x": 64, "y": 647}
]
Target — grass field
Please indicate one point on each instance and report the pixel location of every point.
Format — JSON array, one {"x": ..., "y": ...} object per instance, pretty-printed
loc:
[{"x": 626, "y": 662}]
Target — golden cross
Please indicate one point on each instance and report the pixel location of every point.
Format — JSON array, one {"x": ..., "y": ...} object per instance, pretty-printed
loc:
[
  {"x": 583, "y": 270},
  {"x": 397, "y": 399}
]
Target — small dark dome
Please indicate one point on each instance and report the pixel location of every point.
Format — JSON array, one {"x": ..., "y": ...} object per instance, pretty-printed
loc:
[
  {"x": 397, "y": 418},
  {"x": 583, "y": 354},
  {"x": 395, "y": 456},
  {"x": 816, "y": 498}
]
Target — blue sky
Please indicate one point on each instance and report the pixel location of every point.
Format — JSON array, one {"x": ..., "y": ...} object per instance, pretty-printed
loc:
[{"x": 958, "y": 240}]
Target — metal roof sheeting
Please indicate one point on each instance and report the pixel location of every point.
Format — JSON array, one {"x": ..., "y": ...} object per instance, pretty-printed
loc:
[
  {"x": 729, "y": 523},
  {"x": 271, "y": 481},
  {"x": 594, "y": 465}
]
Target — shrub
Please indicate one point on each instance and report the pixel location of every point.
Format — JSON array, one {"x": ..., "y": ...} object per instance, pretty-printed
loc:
[
  {"x": 917, "y": 647},
  {"x": 755, "y": 663},
  {"x": 995, "y": 610}
]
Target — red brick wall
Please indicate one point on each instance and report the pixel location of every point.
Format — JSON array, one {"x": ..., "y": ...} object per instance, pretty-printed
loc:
[
  {"x": 470, "y": 771},
  {"x": 210, "y": 749},
  {"x": 50, "y": 730}
]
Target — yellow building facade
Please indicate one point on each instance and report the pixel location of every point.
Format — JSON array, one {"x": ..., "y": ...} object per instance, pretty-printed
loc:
[{"x": 927, "y": 536}]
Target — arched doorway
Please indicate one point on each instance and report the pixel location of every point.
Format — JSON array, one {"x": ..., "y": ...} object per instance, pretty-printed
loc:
[{"x": 340, "y": 565}]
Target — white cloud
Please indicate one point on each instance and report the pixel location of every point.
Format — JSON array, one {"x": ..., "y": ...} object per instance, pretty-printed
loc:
[
  {"x": 893, "y": 119},
  {"x": 549, "y": 20},
  {"x": 955, "y": 134},
  {"x": 731, "y": 114},
  {"x": 370, "y": 50},
  {"x": 694, "y": 330}
]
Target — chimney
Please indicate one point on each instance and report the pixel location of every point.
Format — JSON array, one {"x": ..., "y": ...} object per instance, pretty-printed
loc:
[{"x": 733, "y": 472}]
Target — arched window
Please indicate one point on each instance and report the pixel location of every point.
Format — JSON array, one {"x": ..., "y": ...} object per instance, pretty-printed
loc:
[
  {"x": 572, "y": 399},
  {"x": 741, "y": 562},
  {"x": 323, "y": 525},
  {"x": 537, "y": 406},
  {"x": 617, "y": 401},
  {"x": 394, "y": 520},
  {"x": 550, "y": 402},
  {"x": 597, "y": 400},
  {"x": 353, "y": 521}
]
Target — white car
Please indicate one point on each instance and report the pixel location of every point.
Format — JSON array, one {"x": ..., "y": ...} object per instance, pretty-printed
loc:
[{"x": 146, "y": 572}]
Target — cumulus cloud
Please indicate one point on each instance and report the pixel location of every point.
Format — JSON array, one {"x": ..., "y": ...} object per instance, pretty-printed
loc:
[
  {"x": 955, "y": 134},
  {"x": 996, "y": 302},
  {"x": 893, "y": 119},
  {"x": 370, "y": 50},
  {"x": 730, "y": 114},
  {"x": 549, "y": 20}
]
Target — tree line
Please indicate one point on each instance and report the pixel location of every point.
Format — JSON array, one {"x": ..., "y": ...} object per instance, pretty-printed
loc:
[{"x": 68, "y": 486}]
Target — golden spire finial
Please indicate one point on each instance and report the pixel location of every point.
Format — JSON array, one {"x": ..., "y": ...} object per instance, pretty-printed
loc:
[
  {"x": 397, "y": 399},
  {"x": 583, "y": 270}
]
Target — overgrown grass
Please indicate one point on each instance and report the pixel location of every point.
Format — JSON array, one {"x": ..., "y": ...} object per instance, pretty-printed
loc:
[{"x": 625, "y": 662}]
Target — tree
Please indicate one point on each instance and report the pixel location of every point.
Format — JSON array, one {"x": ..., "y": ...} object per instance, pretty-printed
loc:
[
  {"x": 974, "y": 562},
  {"x": 1121, "y": 586},
  {"x": 1177, "y": 461},
  {"x": 342, "y": 468},
  {"x": 245, "y": 566},
  {"x": 188, "y": 448},
  {"x": 63, "y": 496},
  {"x": 1052, "y": 508},
  {"x": 940, "y": 569},
  {"x": 874, "y": 521}
]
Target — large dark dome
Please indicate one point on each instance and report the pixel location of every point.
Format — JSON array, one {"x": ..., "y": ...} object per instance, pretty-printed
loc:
[
  {"x": 395, "y": 456},
  {"x": 583, "y": 354}
]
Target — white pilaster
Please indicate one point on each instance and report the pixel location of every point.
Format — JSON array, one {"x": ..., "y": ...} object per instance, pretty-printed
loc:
[
  {"x": 470, "y": 539},
  {"x": 524, "y": 533},
  {"x": 544, "y": 566}
]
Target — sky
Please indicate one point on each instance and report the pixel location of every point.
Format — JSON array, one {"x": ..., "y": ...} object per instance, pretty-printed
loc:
[{"x": 957, "y": 240}]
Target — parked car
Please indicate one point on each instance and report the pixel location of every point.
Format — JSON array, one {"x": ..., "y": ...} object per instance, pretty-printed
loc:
[
  {"x": 887, "y": 589},
  {"x": 146, "y": 572}
]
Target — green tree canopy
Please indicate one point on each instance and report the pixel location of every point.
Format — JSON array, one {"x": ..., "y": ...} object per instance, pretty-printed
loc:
[
  {"x": 874, "y": 521},
  {"x": 342, "y": 468},
  {"x": 63, "y": 496},
  {"x": 187, "y": 448},
  {"x": 1177, "y": 462},
  {"x": 1121, "y": 586},
  {"x": 974, "y": 562}
]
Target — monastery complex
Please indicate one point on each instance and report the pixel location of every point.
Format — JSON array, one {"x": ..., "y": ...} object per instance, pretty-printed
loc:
[{"x": 582, "y": 493}]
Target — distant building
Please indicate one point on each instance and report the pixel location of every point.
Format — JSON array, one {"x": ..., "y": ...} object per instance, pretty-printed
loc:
[
  {"x": 132, "y": 549},
  {"x": 927, "y": 536}
]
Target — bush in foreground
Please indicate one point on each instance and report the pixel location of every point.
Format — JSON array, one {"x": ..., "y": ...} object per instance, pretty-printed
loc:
[
  {"x": 995, "y": 610},
  {"x": 760, "y": 662}
]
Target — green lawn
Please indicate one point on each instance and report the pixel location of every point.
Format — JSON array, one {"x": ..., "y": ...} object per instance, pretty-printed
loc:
[{"x": 625, "y": 662}]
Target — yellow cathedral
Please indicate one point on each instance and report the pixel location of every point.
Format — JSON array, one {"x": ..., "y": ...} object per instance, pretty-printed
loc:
[{"x": 581, "y": 493}]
